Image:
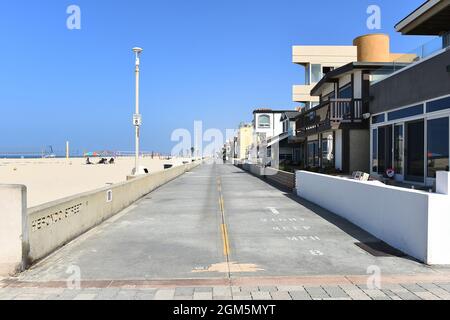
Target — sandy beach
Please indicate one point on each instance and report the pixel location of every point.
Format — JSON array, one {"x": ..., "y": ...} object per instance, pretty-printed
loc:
[{"x": 52, "y": 179}]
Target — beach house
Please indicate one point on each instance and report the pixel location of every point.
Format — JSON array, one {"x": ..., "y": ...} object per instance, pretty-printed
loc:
[
  {"x": 334, "y": 135},
  {"x": 410, "y": 108}
]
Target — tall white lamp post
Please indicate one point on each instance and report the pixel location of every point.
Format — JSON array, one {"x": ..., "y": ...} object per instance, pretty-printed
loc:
[{"x": 137, "y": 118}]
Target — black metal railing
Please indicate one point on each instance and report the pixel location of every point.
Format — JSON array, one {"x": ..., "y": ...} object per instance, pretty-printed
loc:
[{"x": 330, "y": 113}]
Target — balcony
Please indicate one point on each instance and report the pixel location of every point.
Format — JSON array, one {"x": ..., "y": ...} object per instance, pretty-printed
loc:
[
  {"x": 331, "y": 114},
  {"x": 301, "y": 93},
  {"x": 416, "y": 56}
]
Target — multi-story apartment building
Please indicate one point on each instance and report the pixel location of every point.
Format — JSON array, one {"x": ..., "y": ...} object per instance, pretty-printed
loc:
[
  {"x": 410, "y": 108},
  {"x": 244, "y": 139},
  {"x": 280, "y": 151},
  {"x": 318, "y": 61},
  {"x": 334, "y": 135},
  {"x": 266, "y": 125}
]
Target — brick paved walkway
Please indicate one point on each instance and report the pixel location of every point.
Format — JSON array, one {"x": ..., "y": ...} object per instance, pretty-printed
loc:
[{"x": 332, "y": 288}]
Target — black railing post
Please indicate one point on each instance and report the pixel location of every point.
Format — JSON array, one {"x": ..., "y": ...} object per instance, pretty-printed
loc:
[{"x": 352, "y": 109}]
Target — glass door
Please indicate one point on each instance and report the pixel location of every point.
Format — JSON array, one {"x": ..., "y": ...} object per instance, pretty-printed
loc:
[
  {"x": 384, "y": 149},
  {"x": 438, "y": 146},
  {"x": 414, "y": 151},
  {"x": 399, "y": 145}
]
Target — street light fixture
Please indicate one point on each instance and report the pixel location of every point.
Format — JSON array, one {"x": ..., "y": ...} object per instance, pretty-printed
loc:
[{"x": 137, "y": 118}]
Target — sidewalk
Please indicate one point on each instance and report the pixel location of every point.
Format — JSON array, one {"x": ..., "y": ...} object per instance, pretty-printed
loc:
[{"x": 313, "y": 288}]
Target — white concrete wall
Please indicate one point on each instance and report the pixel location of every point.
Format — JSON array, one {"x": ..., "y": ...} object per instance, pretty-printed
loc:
[
  {"x": 13, "y": 236},
  {"x": 52, "y": 225},
  {"x": 414, "y": 222}
]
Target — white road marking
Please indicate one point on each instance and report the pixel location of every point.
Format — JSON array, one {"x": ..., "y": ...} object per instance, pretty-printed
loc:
[
  {"x": 303, "y": 238},
  {"x": 316, "y": 252},
  {"x": 274, "y": 210}
]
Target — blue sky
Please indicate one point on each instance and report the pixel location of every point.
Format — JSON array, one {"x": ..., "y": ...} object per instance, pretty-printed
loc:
[{"x": 209, "y": 60}]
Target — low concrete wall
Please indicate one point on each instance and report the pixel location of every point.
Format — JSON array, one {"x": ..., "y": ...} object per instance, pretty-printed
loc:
[
  {"x": 414, "y": 222},
  {"x": 13, "y": 229},
  {"x": 52, "y": 225},
  {"x": 282, "y": 178}
]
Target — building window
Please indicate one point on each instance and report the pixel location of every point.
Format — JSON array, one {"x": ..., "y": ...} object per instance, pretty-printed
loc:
[
  {"x": 313, "y": 153},
  {"x": 438, "y": 105},
  {"x": 325, "y": 70},
  {"x": 308, "y": 75},
  {"x": 446, "y": 40},
  {"x": 378, "y": 119},
  {"x": 346, "y": 92},
  {"x": 329, "y": 96},
  {"x": 285, "y": 126},
  {"x": 438, "y": 145},
  {"x": 316, "y": 73},
  {"x": 327, "y": 150},
  {"x": 375, "y": 150},
  {"x": 405, "y": 113},
  {"x": 398, "y": 149},
  {"x": 264, "y": 121}
]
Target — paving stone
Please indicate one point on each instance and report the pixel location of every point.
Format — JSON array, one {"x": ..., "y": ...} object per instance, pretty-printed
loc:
[
  {"x": 144, "y": 296},
  {"x": 85, "y": 296},
  {"x": 126, "y": 295},
  {"x": 375, "y": 293},
  {"x": 357, "y": 295},
  {"x": 390, "y": 286},
  {"x": 389, "y": 293},
  {"x": 445, "y": 286},
  {"x": 441, "y": 293},
  {"x": 235, "y": 289},
  {"x": 7, "y": 295},
  {"x": 317, "y": 292},
  {"x": 406, "y": 295},
  {"x": 203, "y": 289},
  {"x": 413, "y": 287},
  {"x": 191, "y": 297},
  {"x": 281, "y": 295},
  {"x": 29, "y": 296},
  {"x": 249, "y": 289},
  {"x": 69, "y": 294},
  {"x": 107, "y": 293},
  {"x": 164, "y": 294},
  {"x": 291, "y": 288},
  {"x": 426, "y": 295},
  {"x": 427, "y": 286},
  {"x": 268, "y": 289},
  {"x": 335, "y": 292},
  {"x": 222, "y": 298},
  {"x": 258, "y": 295},
  {"x": 241, "y": 293},
  {"x": 203, "y": 296},
  {"x": 242, "y": 297},
  {"x": 300, "y": 295},
  {"x": 184, "y": 291},
  {"x": 222, "y": 291}
]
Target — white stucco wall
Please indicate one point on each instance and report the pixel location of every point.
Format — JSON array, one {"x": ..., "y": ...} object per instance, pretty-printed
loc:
[{"x": 414, "y": 222}]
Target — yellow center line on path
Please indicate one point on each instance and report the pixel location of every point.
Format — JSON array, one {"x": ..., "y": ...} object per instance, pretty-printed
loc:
[
  {"x": 226, "y": 244},
  {"x": 223, "y": 226}
]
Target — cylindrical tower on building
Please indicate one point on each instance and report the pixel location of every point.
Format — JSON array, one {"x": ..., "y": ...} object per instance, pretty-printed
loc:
[{"x": 373, "y": 48}]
